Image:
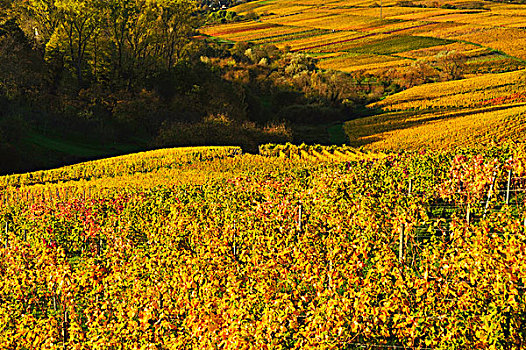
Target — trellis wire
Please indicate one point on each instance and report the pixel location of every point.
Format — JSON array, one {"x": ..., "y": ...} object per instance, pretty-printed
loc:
[{"x": 370, "y": 345}]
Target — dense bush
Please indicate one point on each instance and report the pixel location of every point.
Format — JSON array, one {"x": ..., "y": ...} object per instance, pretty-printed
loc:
[{"x": 221, "y": 131}]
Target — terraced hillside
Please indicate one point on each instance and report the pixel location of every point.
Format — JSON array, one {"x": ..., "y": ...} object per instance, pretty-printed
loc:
[
  {"x": 361, "y": 35},
  {"x": 480, "y": 110}
]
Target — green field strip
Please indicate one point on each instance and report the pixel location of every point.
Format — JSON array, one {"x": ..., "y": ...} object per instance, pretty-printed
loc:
[
  {"x": 219, "y": 39},
  {"x": 337, "y": 135},
  {"x": 76, "y": 148},
  {"x": 399, "y": 44}
]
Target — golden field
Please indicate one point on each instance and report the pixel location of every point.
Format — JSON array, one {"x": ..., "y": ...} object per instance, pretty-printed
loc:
[
  {"x": 414, "y": 131},
  {"x": 482, "y": 31},
  {"x": 479, "y": 110},
  {"x": 484, "y": 90}
]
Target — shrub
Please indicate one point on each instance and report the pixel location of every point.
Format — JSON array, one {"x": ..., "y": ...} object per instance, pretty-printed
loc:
[{"x": 219, "y": 130}]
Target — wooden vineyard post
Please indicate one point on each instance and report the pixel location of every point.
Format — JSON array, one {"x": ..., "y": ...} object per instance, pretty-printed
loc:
[
  {"x": 54, "y": 299},
  {"x": 401, "y": 243},
  {"x": 64, "y": 330},
  {"x": 401, "y": 229},
  {"x": 330, "y": 272},
  {"x": 234, "y": 247},
  {"x": 6, "y": 242},
  {"x": 467, "y": 214},
  {"x": 300, "y": 217},
  {"x": 508, "y": 188}
]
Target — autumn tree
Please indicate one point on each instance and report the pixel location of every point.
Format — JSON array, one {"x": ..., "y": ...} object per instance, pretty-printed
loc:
[
  {"x": 127, "y": 37},
  {"x": 38, "y": 18},
  {"x": 79, "y": 29},
  {"x": 173, "y": 27},
  {"x": 451, "y": 64},
  {"x": 5, "y": 10}
]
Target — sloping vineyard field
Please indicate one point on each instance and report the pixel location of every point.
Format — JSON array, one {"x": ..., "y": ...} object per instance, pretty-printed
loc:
[
  {"x": 301, "y": 247},
  {"x": 470, "y": 50},
  {"x": 352, "y": 62},
  {"x": 480, "y": 110},
  {"x": 478, "y": 30},
  {"x": 260, "y": 35},
  {"x": 484, "y": 90},
  {"x": 121, "y": 165},
  {"x": 413, "y": 131}
]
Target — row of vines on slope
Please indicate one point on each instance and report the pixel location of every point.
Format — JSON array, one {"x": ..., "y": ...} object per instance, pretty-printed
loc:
[
  {"x": 122, "y": 165},
  {"x": 232, "y": 264}
]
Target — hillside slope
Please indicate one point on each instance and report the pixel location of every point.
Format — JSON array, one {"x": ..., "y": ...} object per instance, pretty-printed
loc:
[
  {"x": 359, "y": 35},
  {"x": 479, "y": 110},
  {"x": 209, "y": 249}
]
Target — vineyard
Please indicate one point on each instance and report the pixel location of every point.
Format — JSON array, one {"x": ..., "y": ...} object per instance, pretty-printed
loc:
[
  {"x": 480, "y": 110},
  {"x": 300, "y": 247},
  {"x": 122, "y": 165},
  {"x": 484, "y": 90},
  {"x": 439, "y": 130},
  {"x": 490, "y": 35},
  {"x": 317, "y": 153}
]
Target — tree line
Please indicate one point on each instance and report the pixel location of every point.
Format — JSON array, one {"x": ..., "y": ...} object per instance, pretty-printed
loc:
[
  {"x": 116, "y": 41},
  {"x": 123, "y": 71}
]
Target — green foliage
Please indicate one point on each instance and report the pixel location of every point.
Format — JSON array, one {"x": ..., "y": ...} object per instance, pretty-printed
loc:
[
  {"x": 21, "y": 70},
  {"x": 263, "y": 55},
  {"x": 107, "y": 39},
  {"x": 222, "y": 16},
  {"x": 295, "y": 63},
  {"x": 401, "y": 43}
]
